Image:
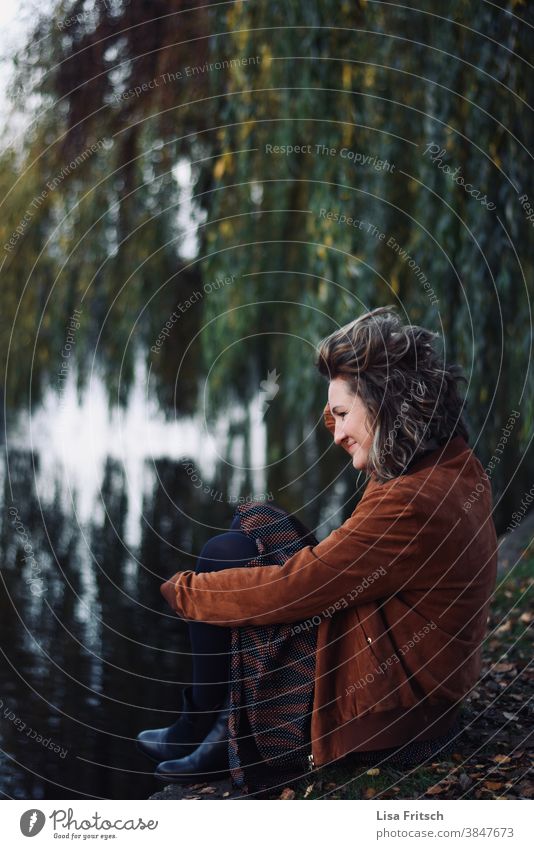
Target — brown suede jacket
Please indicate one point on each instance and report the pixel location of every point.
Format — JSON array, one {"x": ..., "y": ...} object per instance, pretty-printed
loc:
[{"x": 399, "y": 594}]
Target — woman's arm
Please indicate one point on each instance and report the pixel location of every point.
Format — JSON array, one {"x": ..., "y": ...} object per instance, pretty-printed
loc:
[{"x": 372, "y": 555}]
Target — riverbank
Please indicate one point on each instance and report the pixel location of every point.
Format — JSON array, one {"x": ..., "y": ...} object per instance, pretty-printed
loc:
[{"x": 492, "y": 757}]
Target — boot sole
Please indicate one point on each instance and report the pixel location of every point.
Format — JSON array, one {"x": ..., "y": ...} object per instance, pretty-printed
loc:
[
  {"x": 193, "y": 777},
  {"x": 156, "y": 758}
]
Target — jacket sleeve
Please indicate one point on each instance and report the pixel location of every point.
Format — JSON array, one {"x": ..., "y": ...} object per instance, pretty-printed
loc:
[{"x": 371, "y": 556}]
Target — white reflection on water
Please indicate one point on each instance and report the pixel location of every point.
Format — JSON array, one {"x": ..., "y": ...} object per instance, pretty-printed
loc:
[{"x": 73, "y": 441}]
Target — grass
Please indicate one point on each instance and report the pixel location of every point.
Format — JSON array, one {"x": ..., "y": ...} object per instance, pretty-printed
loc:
[{"x": 493, "y": 756}]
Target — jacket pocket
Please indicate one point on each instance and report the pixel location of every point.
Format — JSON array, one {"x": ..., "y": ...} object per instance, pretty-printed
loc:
[
  {"x": 374, "y": 633},
  {"x": 383, "y": 683}
]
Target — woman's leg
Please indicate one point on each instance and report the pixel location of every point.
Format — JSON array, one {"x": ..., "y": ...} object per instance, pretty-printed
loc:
[{"x": 210, "y": 644}]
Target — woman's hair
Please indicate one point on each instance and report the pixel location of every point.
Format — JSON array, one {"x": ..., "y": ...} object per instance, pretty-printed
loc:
[{"x": 411, "y": 397}]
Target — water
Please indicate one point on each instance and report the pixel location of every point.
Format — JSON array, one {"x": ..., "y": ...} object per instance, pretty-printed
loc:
[{"x": 97, "y": 511}]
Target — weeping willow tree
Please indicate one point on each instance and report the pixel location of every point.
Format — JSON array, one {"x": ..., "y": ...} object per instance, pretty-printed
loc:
[
  {"x": 92, "y": 194},
  {"x": 415, "y": 124},
  {"x": 338, "y": 156}
]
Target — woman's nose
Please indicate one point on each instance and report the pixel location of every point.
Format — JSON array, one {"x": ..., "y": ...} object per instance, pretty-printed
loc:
[{"x": 339, "y": 434}]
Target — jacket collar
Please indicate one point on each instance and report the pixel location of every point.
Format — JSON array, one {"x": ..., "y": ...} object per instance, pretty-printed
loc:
[
  {"x": 432, "y": 455},
  {"x": 437, "y": 453}
]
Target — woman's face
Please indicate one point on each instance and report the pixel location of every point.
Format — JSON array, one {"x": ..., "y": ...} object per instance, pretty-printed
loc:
[{"x": 352, "y": 429}]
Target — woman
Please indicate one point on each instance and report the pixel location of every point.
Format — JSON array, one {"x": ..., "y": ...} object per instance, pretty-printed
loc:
[{"x": 394, "y": 602}]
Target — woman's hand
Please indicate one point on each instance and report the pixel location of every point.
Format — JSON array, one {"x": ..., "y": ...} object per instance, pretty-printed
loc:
[{"x": 168, "y": 591}]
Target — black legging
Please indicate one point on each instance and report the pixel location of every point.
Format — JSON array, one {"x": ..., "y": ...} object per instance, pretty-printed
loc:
[{"x": 210, "y": 644}]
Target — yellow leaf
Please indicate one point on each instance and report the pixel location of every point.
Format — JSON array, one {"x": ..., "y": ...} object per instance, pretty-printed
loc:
[
  {"x": 346, "y": 75},
  {"x": 225, "y": 228},
  {"x": 369, "y": 77},
  {"x": 245, "y": 129},
  {"x": 266, "y": 56},
  {"x": 220, "y": 165},
  {"x": 218, "y": 170},
  {"x": 374, "y": 771}
]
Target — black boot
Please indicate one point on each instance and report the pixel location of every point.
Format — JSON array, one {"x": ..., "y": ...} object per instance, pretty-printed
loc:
[
  {"x": 183, "y": 736},
  {"x": 208, "y": 762}
]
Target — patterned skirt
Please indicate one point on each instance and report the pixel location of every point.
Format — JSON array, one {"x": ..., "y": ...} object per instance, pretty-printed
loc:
[
  {"x": 272, "y": 679},
  {"x": 272, "y": 669}
]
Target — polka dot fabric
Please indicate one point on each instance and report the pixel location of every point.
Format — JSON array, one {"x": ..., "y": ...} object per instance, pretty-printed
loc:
[
  {"x": 272, "y": 668},
  {"x": 272, "y": 678}
]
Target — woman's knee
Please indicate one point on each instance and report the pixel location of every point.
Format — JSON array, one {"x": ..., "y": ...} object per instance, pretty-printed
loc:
[{"x": 224, "y": 551}]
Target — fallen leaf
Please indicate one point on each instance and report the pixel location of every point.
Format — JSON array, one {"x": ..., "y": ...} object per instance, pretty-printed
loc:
[
  {"x": 509, "y": 716},
  {"x": 434, "y": 790},
  {"x": 493, "y": 785},
  {"x": 287, "y": 793},
  {"x": 504, "y": 667},
  {"x": 502, "y": 759},
  {"x": 369, "y": 793},
  {"x": 308, "y": 790},
  {"x": 208, "y": 790},
  {"x": 374, "y": 771}
]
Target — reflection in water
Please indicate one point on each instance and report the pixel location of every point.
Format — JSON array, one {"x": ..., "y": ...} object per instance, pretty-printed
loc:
[
  {"x": 97, "y": 655},
  {"x": 91, "y": 654}
]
